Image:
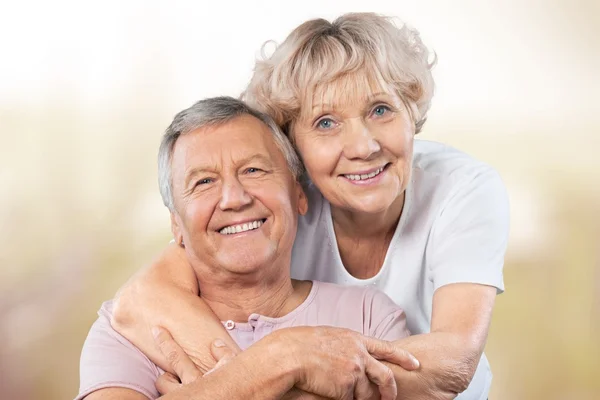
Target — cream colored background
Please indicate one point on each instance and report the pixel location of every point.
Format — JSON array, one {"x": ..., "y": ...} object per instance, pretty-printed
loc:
[{"x": 86, "y": 89}]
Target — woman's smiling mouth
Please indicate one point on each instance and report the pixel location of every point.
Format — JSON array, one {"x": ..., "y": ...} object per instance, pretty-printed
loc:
[{"x": 366, "y": 177}]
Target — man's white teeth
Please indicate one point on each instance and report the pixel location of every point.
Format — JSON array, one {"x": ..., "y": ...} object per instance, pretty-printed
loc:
[
  {"x": 228, "y": 230},
  {"x": 364, "y": 176}
]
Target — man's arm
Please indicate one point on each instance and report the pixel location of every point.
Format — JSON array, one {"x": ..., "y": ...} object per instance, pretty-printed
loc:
[
  {"x": 324, "y": 361},
  {"x": 449, "y": 355},
  {"x": 242, "y": 378}
]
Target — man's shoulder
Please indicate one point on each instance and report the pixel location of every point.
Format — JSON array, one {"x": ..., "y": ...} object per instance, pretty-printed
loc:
[
  {"x": 360, "y": 308},
  {"x": 109, "y": 360},
  {"x": 369, "y": 297}
]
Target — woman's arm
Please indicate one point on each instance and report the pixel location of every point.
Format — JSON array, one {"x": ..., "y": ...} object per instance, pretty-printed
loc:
[
  {"x": 166, "y": 294},
  {"x": 449, "y": 355},
  {"x": 465, "y": 257}
]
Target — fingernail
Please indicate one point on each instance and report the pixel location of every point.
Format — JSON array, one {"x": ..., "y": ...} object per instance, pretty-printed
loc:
[
  {"x": 219, "y": 343},
  {"x": 155, "y": 332},
  {"x": 416, "y": 362}
]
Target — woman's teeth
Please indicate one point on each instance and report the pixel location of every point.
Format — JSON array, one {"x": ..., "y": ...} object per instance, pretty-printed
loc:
[{"x": 364, "y": 176}]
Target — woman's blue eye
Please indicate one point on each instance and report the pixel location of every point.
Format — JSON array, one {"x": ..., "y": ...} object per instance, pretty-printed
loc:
[
  {"x": 252, "y": 170},
  {"x": 380, "y": 110},
  {"x": 325, "y": 123}
]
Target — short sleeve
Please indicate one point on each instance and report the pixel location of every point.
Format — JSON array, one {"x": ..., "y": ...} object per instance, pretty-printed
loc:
[
  {"x": 388, "y": 320},
  {"x": 470, "y": 235},
  {"x": 109, "y": 360}
]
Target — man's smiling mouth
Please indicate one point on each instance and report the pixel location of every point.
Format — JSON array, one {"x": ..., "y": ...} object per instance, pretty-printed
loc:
[{"x": 244, "y": 227}]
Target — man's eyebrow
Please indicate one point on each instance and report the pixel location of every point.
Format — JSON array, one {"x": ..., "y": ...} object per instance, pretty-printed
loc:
[
  {"x": 191, "y": 173},
  {"x": 256, "y": 157}
]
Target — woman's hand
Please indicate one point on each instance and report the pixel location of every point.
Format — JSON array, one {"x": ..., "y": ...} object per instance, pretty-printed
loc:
[
  {"x": 339, "y": 363},
  {"x": 166, "y": 294}
]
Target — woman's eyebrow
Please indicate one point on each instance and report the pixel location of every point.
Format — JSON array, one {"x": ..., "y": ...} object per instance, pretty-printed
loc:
[{"x": 369, "y": 98}]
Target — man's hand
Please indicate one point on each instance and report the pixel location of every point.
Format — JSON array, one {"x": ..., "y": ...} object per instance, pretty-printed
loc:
[
  {"x": 179, "y": 361},
  {"x": 339, "y": 363},
  {"x": 185, "y": 369},
  {"x": 330, "y": 362}
]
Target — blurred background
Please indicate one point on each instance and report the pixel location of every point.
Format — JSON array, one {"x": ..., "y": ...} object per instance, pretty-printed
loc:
[{"x": 87, "y": 88}]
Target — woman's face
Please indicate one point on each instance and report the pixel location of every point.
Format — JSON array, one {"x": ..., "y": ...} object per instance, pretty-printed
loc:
[{"x": 357, "y": 150}]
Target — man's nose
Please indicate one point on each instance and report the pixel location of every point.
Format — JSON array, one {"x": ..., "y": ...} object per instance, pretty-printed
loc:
[{"x": 233, "y": 195}]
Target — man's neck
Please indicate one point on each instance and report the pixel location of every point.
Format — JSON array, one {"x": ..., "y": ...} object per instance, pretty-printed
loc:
[{"x": 237, "y": 299}]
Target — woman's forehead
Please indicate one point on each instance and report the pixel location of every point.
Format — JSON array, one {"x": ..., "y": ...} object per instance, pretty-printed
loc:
[{"x": 346, "y": 91}]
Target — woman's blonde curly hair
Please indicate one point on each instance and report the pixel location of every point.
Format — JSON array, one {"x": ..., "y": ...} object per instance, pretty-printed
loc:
[{"x": 358, "y": 53}]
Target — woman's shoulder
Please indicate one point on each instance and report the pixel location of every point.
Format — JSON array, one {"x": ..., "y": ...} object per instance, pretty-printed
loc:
[
  {"x": 442, "y": 159},
  {"x": 442, "y": 173},
  {"x": 440, "y": 167}
]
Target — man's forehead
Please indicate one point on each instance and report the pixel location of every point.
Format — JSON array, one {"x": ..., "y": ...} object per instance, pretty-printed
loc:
[{"x": 240, "y": 139}]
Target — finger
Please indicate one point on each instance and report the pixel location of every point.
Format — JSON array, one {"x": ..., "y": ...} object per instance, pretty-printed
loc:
[
  {"x": 383, "y": 377},
  {"x": 183, "y": 366},
  {"x": 298, "y": 394},
  {"x": 364, "y": 389},
  {"x": 166, "y": 383},
  {"x": 221, "y": 362},
  {"x": 221, "y": 353},
  {"x": 220, "y": 350},
  {"x": 388, "y": 351}
]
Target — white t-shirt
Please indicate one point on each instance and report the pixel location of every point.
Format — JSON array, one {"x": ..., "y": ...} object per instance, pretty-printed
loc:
[{"x": 453, "y": 228}]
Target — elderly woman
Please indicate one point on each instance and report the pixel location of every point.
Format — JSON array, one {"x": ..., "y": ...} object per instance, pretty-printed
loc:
[{"x": 422, "y": 221}]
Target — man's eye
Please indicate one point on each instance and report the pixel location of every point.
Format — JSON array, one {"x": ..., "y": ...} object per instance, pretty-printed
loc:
[
  {"x": 204, "y": 181},
  {"x": 252, "y": 170}
]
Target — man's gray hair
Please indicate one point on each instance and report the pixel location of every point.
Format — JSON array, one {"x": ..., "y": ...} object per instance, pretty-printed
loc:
[{"x": 214, "y": 112}]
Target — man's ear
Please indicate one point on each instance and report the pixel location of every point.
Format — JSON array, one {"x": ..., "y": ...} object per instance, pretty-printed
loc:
[
  {"x": 176, "y": 230},
  {"x": 302, "y": 199}
]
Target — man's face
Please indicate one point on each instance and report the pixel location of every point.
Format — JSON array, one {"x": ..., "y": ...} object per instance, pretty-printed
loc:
[{"x": 235, "y": 198}]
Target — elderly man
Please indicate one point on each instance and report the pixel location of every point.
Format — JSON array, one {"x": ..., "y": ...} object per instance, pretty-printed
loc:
[{"x": 230, "y": 180}]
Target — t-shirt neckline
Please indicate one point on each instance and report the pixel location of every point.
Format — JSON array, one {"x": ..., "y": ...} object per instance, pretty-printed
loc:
[{"x": 328, "y": 220}]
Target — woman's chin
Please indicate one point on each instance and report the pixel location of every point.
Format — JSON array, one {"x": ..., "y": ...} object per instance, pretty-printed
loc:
[{"x": 370, "y": 205}]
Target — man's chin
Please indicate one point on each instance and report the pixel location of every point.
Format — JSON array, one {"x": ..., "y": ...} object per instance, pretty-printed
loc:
[{"x": 246, "y": 265}]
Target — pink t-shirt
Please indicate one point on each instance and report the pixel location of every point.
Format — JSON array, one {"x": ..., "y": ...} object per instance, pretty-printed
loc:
[{"x": 110, "y": 360}]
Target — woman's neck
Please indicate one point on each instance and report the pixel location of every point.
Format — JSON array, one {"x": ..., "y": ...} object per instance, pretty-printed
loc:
[
  {"x": 363, "y": 239},
  {"x": 236, "y": 300},
  {"x": 360, "y": 225}
]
